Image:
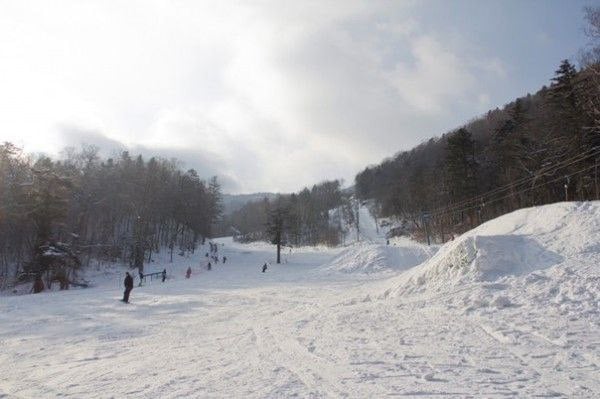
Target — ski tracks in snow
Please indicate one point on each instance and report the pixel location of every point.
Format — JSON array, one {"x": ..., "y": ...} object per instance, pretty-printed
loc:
[
  {"x": 552, "y": 363},
  {"x": 236, "y": 332}
]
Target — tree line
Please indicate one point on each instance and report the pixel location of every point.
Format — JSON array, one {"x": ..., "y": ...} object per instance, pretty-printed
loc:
[
  {"x": 322, "y": 214},
  {"x": 539, "y": 149},
  {"x": 58, "y": 215}
]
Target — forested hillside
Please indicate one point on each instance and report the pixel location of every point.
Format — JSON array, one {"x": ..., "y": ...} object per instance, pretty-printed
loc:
[
  {"x": 319, "y": 215},
  {"x": 539, "y": 149},
  {"x": 57, "y": 215},
  {"x": 234, "y": 202}
]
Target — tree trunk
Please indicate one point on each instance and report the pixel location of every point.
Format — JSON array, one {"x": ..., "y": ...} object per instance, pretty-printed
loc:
[{"x": 279, "y": 252}]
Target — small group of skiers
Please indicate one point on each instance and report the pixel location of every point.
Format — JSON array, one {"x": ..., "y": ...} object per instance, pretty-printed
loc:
[
  {"x": 128, "y": 282},
  {"x": 214, "y": 257},
  {"x": 214, "y": 250},
  {"x": 216, "y": 260}
]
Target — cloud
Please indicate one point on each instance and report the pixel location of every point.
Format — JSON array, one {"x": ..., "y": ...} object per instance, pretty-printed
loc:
[
  {"x": 207, "y": 163},
  {"x": 71, "y": 135},
  {"x": 269, "y": 98},
  {"x": 434, "y": 76},
  {"x": 496, "y": 66}
]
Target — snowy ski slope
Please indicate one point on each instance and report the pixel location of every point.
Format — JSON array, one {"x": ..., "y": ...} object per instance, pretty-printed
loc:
[{"x": 510, "y": 309}]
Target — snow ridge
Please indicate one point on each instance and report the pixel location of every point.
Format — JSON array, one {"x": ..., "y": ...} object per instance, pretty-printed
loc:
[
  {"x": 368, "y": 258},
  {"x": 516, "y": 244}
]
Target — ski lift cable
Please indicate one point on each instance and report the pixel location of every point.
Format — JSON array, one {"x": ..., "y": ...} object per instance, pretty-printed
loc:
[
  {"x": 550, "y": 170},
  {"x": 518, "y": 192}
]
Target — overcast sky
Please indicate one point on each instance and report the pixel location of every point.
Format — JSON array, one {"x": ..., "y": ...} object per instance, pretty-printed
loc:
[{"x": 269, "y": 96}]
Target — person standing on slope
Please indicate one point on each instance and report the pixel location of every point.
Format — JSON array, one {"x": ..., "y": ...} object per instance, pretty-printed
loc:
[
  {"x": 128, "y": 286},
  {"x": 264, "y": 269},
  {"x": 188, "y": 273}
]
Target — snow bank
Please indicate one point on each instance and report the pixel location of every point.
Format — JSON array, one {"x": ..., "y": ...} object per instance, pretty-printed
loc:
[
  {"x": 513, "y": 245},
  {"x": 568, "y": 228},
  {"x": 375, "y": 258},
  {"x": 483, "y": 258}
]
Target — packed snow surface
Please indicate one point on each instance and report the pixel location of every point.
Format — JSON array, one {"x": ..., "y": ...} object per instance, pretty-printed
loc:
[
  {"x": 510, "y": 309},
  {"x": 370, "y": 257}
]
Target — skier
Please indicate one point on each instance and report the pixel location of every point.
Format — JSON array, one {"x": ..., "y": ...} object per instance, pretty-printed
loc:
[
  {"x": 128, "y": 286},
  {"x": 164, "y": 275},
  {"x": 188, "y": 273},
  {"x": 208, "y": 266},
  {"x": 264, "y": 269},
  {"x": 141, "y": 278},
  {"x": 224, "y": 259}
]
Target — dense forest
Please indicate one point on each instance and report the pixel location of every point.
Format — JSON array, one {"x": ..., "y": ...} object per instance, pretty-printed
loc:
[
  {"x": 320, "y": 215},
  {"x": 538, "y": 149},
  {"x": 58, "y": 215}
]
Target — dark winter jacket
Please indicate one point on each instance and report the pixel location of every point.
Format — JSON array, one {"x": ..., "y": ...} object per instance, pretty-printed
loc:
[{"x": 128, "y": 282}]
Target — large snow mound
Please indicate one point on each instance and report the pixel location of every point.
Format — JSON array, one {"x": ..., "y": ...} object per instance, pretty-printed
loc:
[
  {"x": 513, "y": 245},
  {"x": 568, "y": 228},
  {"x": 376, "y": 258}
]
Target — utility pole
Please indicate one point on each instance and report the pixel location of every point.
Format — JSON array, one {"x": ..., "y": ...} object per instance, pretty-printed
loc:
[
  {"x": 357, "y": 208},
  {"x": 480, "y": 211},
  {"x": 341, "y": 230},
  {"x": 441, "y": 219},
  {"x": 596, "y": 179},
  {"x": 376, "y": 212},
  {"x": 425, "y": 217}
]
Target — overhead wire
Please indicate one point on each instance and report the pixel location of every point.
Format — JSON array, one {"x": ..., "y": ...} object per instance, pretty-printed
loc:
[
  {"x": 551, "y": 169},
  {"x": 519, "y": 192}
]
